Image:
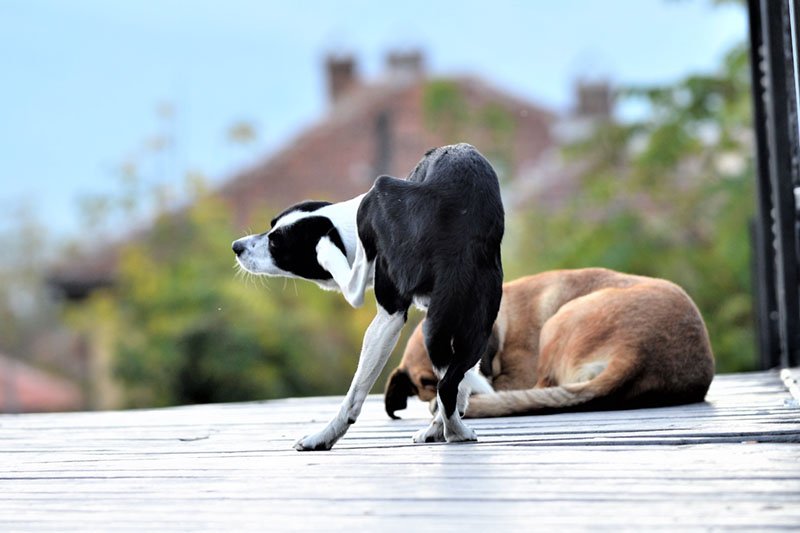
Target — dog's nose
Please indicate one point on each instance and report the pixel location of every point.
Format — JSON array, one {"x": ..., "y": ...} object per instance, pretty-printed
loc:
[{"x": 238, "y": 247}]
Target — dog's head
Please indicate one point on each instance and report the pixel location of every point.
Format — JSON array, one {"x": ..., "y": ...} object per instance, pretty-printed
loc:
[
  {"x": 414, "y": 376},
  {"x": 289, "y": 247}
]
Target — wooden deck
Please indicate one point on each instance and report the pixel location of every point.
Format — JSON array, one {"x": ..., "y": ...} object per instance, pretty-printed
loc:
[{"x": 731, "y": 463}]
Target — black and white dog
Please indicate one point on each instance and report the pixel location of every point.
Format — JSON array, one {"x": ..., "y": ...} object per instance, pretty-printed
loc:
[{"x": 432, "y": 239}]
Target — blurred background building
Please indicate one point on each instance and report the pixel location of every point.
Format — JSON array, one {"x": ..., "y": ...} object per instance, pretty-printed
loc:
[
  {"x": 141, "y": 305},
  {"x": 372, "y": 127}
]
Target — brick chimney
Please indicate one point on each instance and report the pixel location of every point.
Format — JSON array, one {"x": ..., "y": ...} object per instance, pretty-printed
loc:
[
  {"x": 342, "y": 75},
  {"x": 594, "y": 100},
  {"x": 405, "y": 65}
]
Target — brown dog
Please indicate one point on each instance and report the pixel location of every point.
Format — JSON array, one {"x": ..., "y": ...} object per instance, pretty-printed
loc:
[{"x": 577, "y": 339}]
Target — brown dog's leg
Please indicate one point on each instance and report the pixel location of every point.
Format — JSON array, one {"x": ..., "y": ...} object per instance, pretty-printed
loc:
[{"x": 518, "y": 371}]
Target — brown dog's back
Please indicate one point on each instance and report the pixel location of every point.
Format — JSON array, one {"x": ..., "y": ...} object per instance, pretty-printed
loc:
[{"x": 595, "y": 339}]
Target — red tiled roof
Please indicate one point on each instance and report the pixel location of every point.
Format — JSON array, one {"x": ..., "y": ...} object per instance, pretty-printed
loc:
[
  {"x": 25, "y": 389},
  {"x": 373, "y": 128},
  {"x": 339, "y": 157}
]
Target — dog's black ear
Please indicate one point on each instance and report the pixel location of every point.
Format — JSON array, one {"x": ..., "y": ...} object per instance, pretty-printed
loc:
[{"x": 398, "y": 388}]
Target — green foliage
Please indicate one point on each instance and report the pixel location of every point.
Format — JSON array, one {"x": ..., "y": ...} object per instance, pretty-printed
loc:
[
  {"x": 25, "y": 309},
  {"x": 667, "y": 196},
  {"x": 454, "y": 118},
  {"x": 186, "y": 329},
  {"x": 499, "y": 126},
  {"x": 444, "y": 107}
]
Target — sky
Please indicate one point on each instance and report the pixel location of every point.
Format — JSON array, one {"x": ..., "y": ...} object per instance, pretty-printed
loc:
[{"x": 85, "y": 83}]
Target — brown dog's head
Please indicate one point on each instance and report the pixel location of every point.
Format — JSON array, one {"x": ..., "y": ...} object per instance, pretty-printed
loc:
[{"x": 413, "y": 377}]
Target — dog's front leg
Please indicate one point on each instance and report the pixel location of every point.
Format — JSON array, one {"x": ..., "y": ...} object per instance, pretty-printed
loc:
[{"x": 379, "y": 341}]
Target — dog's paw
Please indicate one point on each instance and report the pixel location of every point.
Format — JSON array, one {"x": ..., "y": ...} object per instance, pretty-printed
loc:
[
  {"x": 325, "y": 251},
  {"x": 432, "y": 433},
  {"x": 459, "y": 433},
  {"x": 313, "y": 443}
]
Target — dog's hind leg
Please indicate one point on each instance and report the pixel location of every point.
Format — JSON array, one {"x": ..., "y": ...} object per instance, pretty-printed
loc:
[
  {"x": 450, "y": 428},
  {"x": 453, "y": 396},
  {"x": 439, "y": 344},
  {"x": 379, "y": 341},
  {"x": 445, "y": 427},
  {"x": 470, "y": 341},
  {"x": 473, "y": 383},
  {"x": 452, "y": 355}
]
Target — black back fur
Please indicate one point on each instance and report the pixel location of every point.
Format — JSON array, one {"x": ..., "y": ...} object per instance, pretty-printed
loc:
[{"x": 437, "y": 235}]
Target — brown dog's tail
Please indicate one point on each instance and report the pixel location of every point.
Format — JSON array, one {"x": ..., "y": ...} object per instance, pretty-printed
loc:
[
  {"x": 598, "y": 384},
  {"x": 514, "y": 402}
]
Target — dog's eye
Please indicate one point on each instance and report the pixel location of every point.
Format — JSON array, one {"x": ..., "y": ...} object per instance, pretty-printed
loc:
[{"x": 275, "y": 239}]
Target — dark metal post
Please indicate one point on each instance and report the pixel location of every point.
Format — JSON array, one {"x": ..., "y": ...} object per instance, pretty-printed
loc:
[
  {"x": 764, "y": 252},
  {"x": 776, "y": 128}
]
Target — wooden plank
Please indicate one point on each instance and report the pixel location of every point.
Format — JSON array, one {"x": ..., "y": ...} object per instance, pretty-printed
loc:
[{"x": 731, "y": 462}]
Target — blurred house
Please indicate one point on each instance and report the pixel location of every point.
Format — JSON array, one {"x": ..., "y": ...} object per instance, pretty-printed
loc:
[
  {"x": 26, "y": 389},
  {"x": 374, "y": 127},
  {"x": 384, "y": 126}
]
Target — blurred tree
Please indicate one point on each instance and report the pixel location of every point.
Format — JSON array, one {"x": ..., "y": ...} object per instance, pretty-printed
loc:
[
  {"x": 491, "y": 126},
  {"x": 444, "y": 108},
  {"x": 178, "y": 326},
  {"x": 242, "y": 132},
  {"x": 668, "y": 195},
  {"x": 24, "y": 308},
  {"x": 184, "y": 329}
]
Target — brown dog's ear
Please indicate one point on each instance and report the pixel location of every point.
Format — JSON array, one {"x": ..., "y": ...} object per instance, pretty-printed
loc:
[{"x": 398, "y": 388}]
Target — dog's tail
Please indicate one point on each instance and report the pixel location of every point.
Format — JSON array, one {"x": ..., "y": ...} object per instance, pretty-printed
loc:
[
  {"x": 597, "y": 386},
  {"x": 514, "y": 402}
]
